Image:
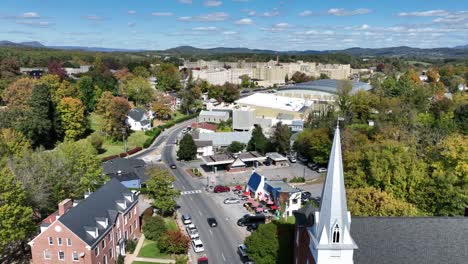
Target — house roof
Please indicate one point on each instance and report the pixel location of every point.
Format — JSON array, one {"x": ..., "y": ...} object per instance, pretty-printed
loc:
[
  {"x": 415, "y": 240},
  {"x": 137, "y": 114},
  {"x": 326, "y": 85},
  {"x": 275, "y": 156},
  {"x": 284, "y": 116},
  {"x": 203, "y": 143},
  {"x": 254, "y": 181},
  {"x": 125, "y": 169},
  {"x": 226, "y": 138},
  {"x": 281, "y": 186},
  {"x": 218, "y": 159},
  {"x": 274, "y": 101},
  {"x": 100, "y": 204},
  {"x": 214, "y": 113}
]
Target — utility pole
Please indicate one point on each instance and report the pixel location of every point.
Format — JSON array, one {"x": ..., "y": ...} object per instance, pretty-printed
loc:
[{"x": 124, "y": 133}]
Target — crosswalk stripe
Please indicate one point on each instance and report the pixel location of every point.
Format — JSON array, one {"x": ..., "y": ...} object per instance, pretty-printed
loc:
[{"x": 190, "y": 192}]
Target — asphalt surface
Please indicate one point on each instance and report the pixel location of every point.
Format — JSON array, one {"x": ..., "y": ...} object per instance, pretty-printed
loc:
[{"x": 220, "y": 242}]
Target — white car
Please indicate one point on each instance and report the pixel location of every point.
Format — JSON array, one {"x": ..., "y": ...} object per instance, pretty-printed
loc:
[
  {"x": 192, "y": 231},
  {"x": 197, "y": 246},
  {"x": 320, "y": 170},
  {"x": 186, "y": 219},
  {"x": 292, "y": 159},
  {"x": 231, "y": 200}
]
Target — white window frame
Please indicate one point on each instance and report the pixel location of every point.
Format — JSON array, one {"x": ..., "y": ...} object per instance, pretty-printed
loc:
[
  {"x": 110, "y": 253},
  {"x": 111, "y": 236},
  {"x": 103, "y": 243},
  {"x": 135, "y": 223},
  {"x": 59, "y": 241},
  {"x": 77, "y": 256},
  {"x": 105, "y": 259},
  {"x": 58, "y": 255},
  {"x": 69, "y": 242},
  {"x": 51, "y": 240},
  {"x": 125, "y": 219},
  {"x": 45, "y": 256},
  {"x": 134, "y": 210},
  {"x": 96, "y": 251}
]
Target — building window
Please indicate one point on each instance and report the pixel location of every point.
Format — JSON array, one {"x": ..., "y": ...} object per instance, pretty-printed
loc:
[
  {"x": 134, "y": 210},
  {"x": 96, "y": 251},
  {"x": 111, "y": 236},
  {"x": 118, "y": 222},
  {"x": 135, "y": 224},
  {"x": 104, "y": 259},
  {"x": 69, "y": 243},
  {"x": 75, "y": 256},
  {"x": 131, "y": 231},
  {"x": 336, "y": 234},
  {"x": 61, "y": 255},
  {"x": 110, "y": 253},
  {"x": 125, "y": 220},
  {"x": 46, "y": 254},
  {"x": 59, "y": 241},
  {"x": 103, "y": 243},
  {"x": 51, "y": 241},
  {"x": 294, "y": 201}
]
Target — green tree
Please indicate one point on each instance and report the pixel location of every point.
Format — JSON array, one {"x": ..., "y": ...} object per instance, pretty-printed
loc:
[
  {"x": 370, "y": 201},
  {"x": 86, "y": 87},
  {"x": 16, "y": 222},
  {"x": 141, "y": 71},
  {"x": 16, "y": 95},
  {"x": 174, "y": 242},
  {"x": 187, "y": 148},
  {"x": 38, "y": 122},
  {"x": 154, "y": 227},
  {"x": 12, "y": 144},
  {"x": 230, "y": 93},
  {"x": 281, "y": 138},
  {"x": 236, "y": 147},
  {"x": 102, "y": 106},
  {"x": 115, "y": 116},
  {"x": 72, "y": 116},
  {"x": 245, "y": 81},
  {"x": 263, "y": 244},
  {"x": 258, "y": 142},
  {"x": 140, "y": 91},
  {"x": 324, "y": 76},
  {"x": 158, "y": 189},
  {"x": 66, "y": 89},
  {"x": 344, "y": 98},
  {"x": 168, "y": 77},
  {"x": 161, "y": 106},
  {"x": 286, "y": 78},
  {"x": 315, "y": 144},
  {"x": 362, "y": 105}
]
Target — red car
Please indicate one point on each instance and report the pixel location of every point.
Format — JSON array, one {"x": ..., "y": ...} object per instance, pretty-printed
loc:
[
  {"x": 203, "y": 260},
  {"x": 221, "y": 188}
]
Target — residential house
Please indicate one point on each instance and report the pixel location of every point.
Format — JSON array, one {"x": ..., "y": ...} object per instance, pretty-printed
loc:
[
  {"x": 138, "y": 119},
  {"x": 204, "y": 148},
  {"x": 212, "y": 116},
  {"x": 128, "y": 171},
  {"x": 92, "y": 231}
]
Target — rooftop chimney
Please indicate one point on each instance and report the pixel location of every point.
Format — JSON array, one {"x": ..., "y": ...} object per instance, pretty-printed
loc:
[{"x": 64, "y": 206}]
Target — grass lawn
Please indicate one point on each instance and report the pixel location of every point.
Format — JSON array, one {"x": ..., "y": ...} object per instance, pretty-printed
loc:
[
  {"x": 150, "y": 250},
  {"x": 110, "y": 147}
]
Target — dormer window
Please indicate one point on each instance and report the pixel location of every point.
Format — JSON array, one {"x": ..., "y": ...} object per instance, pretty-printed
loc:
[{"x": 336, "y": 234}]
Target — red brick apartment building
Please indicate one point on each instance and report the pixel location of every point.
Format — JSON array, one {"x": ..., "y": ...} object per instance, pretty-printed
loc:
[{"x": 90, "y": 231}]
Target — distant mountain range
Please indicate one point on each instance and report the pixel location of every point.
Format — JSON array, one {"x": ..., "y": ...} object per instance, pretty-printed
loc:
[{"x": 402, "y": 51}]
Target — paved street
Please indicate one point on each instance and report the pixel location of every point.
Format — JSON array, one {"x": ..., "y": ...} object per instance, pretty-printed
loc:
[{"x": 220, "y": 242}]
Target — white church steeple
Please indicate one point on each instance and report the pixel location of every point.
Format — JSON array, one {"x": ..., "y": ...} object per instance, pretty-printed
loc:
[{"x": 331, "y": 240}]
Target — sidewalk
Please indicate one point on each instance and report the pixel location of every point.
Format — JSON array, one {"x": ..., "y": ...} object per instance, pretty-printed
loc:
[{"x": 130, "y": 258}]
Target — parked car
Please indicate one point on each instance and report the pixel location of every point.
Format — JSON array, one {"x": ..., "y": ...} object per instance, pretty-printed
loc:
[
  {"x": 192, "y": 231},
  {"x": 243, "y": 251},
  {"x": 320, "y": 170},
  {"x": 231, "y": 200},
  {"x": 212, "y": 222},
  {"x": 197, "y": 245},
  {"x": 202, "y": 260},
  {"x": 292, "y": 159},
  {"x": 315, "y": 167},
  {"x": 305, "y": 196},
  {"x": 221, "y": 188},
  {"x": 251, "y": 221},
  {"x": 186, "y": 219},
  {"x": 310, "y": 165},
  {"x": 173, "y": 166},
  {"x": 267, "y": 162},
  {"x": 302, "y": 159}
]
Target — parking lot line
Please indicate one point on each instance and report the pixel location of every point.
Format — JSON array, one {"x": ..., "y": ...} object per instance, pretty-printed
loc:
[
  {"x": 211, "y": 232},
  {"x": 199, "y": 212},
  {"x": 222, "y": 255}
]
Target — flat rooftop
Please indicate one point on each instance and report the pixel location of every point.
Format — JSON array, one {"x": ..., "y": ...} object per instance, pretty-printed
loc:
[
  {"x": 326, "y": 85},
  {"x": 282, "y": 186},
  {"x": 275, "y": 156},
  {"x": 274, "y": 101}
]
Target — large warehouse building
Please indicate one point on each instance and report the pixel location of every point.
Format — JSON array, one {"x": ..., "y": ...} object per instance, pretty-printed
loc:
[{"x": 320, "y": 90}]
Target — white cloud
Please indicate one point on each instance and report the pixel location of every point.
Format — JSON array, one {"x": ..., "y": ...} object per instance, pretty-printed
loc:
[
  {"x": 185, "y": 1},
  {"x": 282, "y": 25},
  {"x": 277, "y": 27},
  {"x": 310, "y": 32},
  {"x": 205, "y": 29},
  {"x": 212, "y": 3},
  {"x": 131, "y": 24},
  {"x": 244, "y": 21},
  {"x": 272, "y": 13},
  {"x": 216, "y": 16},
  {"x": 453, "y": 18},
  {"x": 364, "y": 27},
  {"x": 131, "y": 12},
  {"x": 251, "y": 13},
  {"x": 344, "y": 12},
  {"x": 29, "y": 15},
  {"x": 92, "y": 17},
  {"x": 305, "y": 13},
  {"x": 427, "y": 13},
  {"x": 161, "y": 14},
  {"x": 229, "y": 32},
  {"x": 41, "y": 24}
]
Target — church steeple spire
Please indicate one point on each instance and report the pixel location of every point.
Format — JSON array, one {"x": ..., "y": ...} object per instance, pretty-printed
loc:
[{"x": 331, "y": 231}]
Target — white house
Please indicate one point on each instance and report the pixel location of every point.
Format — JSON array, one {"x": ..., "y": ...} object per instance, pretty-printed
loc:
[
  {"x": 139, "y": 119},
  {"x": 204, "y": 148}
]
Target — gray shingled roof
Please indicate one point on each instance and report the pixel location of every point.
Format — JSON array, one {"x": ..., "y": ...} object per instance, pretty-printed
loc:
[
  {"x": 415, "y": 240},
  {"x": 137, "y": 114},
  {"x": 101, "y": 203},
  {"x": 125, "y": 169}
]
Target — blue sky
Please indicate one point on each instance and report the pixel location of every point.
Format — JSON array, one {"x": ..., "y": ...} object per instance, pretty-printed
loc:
[{"x": 263, "y": 24}]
